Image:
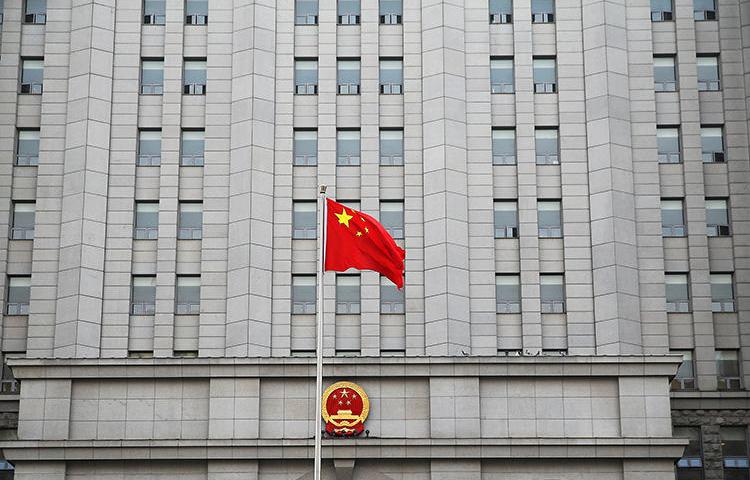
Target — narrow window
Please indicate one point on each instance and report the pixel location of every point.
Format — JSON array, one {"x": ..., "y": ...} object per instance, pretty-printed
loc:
[
  {"x": 32, "y": 76},
  {"x": 188, "y": 295},
  {"x": 348, "y": 77},
  {"x": 717, "y": 217},
  {"x": 712, "y": 145},
  {"x": 503, "y": 146},
  {"x": 19, "y": 293},
  {"x": 304, "y": 220},
  {"x": 391, "y": 298},
  {"x": 348, "y": 147},
  {"x": 665, "y": 74},
  {"x": 552, "y": 293},
  {"x": 506, "y": 219},
  {"x": 542, "y": 11},
  {"x": 154, "y": 12},
  {"x": 348, "y": 12},
  {"x": 704, "y": 10},
  {"x": 193, "y": 148},
  {"x": 672, "y": 218},
  {"x": 303, "y": 294},
  {"x": 143, "y": 295},
  {"x": 508, "y": 294},
  {"x": 194, "y": 77},
  {"x": 190, "y": 222},
  {"x": 149, "y": 148},
  {"x": 196, "y": 12},
  {"x": 668, "y": 144},
  {"x": 734, "y": 452},
  {"x": 347, "y": 295},
  {"x": 728, "y": 370},
  {"x": 661, "y": 10},
  {"x": 549, "y": 218},
  {"x": 690, "y": 466},
  {"x": 677, "y": 292},
  {"x": 722, "y": 292},
  {"x": 306, "y": 12},
  {"x": 35, "y": 11},
  {"x": 545, "y": 75},
  {"x": 685, "y": 377},
  {"x": 547, "y": 146},
  {"x": 152, "y": 77},
  {"x": 24, "y": 214},
  {"x": 708, "y": 73},
  {"x": 27, "y": 148},
  {"x": 392, "y": 218},
  {"x": 391, "y": 147},
  {"x": 305, "y": 147},
  {"x": 501, "y": 11},
  {"x": 391, "y": 12},
  {"x": 391, "y": 77},
  {"x": 501, "y": 75},
  {"x": 146, "y": 221},
  {"x": 306, "y": 77}
]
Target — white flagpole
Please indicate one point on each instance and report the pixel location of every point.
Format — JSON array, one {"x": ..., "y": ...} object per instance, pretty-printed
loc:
[{"x": 319, "y": 337}]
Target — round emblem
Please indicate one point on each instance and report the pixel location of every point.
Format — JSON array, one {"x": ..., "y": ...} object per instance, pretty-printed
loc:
[{"x": 345, "y": 409}]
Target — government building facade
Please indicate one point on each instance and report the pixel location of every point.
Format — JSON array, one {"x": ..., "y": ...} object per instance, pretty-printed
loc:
[{"x": 570, "y": 180}]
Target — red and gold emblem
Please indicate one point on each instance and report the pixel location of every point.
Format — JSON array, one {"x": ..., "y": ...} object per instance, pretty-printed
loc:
[{"x": 345, "y": 409}]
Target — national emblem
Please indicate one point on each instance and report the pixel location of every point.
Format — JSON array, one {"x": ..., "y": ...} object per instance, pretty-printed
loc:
[{"x": 345, "y": 409}]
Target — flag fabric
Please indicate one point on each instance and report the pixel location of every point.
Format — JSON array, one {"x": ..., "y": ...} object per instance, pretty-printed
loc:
[{"x": 356, "y": 240}]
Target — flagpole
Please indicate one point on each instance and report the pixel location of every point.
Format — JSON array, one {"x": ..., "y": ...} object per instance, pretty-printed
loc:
[{"x": 319, "y": 335}]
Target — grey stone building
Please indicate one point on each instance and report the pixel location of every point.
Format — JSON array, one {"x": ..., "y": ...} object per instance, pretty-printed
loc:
[{"x": 570, "y": 180}]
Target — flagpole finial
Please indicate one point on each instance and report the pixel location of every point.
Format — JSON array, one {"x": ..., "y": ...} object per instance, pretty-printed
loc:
[{"x": 323, "y": 189}]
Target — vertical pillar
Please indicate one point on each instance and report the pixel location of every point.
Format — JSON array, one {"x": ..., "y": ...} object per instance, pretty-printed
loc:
[
  {"x": 84, "y": 195},
  {"x": 613, "y": 228},
  {"x": 447, "y": 316}
]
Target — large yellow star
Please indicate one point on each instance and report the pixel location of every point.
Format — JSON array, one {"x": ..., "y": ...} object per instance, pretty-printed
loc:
[{"x": 344, "y": 217}]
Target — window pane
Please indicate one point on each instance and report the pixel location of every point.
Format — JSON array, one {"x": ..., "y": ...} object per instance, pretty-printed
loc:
[
  {"x": 191, "y": 221},
  {"x": 716, "y": 212},
  {"x": 196, "y": 7},
  {"x": 152, "y": 72},
  {"x": 188, "y": 296},
  {"x": 19, "y": 293},
  {"x": 306, "y": 72},
  {"x": 708, "y": 68},
  {"x": 391, "y": 298},
  {"x": 508, "y": 294},
  {"x": 668, "y": 144},
  {"x": 147, "y": 215},
  {"x": 693, "y": 434},
  {"x": 348, "y": 72},
  {"x": 733, "y": 441},
  {"x": 676, "y": 287},
  {"x": 703, "y": 5},
  {"x": 552, "y": 290},
  {"x": 304, "y": 220},
  {"x": 394, "y": 7},
  {"x": 391, "y": 147},
  {"x": 33, "y": 71},
  {"x": 712, "y": 139},
  {"x": 501, "y": 6},
  {"x": 306, "y": 7},
  {"x": 501, "y": 75},
  {"x": 154, "y": 7},
  {"x": 542, "y": 6},
  {"x": 672, "y": 218},
  {"x": 303, "y": 294},
  {"x": 391, "y": 72},
  {"x": 686, "y": 369},
  {"x": 23, "y": 221},
  {"x": 544, "y": 70},
  {"x": 348, "y": 7},
  {"x": 547, "y": 146},
  {"x": 347, "y": 294},
  {"x": 347, "y": 147},
  {"x": 28, "y": 143},
  {"x": 143, "y": 295},
  {"x": 305, "y": 147},
  {"x": 665, "y": 74},
  {"x": 548, "y": 218},
  {"x": 195, "y": 72},
  {"x": 392, "y": 218},
  {"x": 503, "y": 146},
  {"x": 661, "y": 5},
  {"x": 721, "y": 287},
  {"x": 506, "y": 219}
]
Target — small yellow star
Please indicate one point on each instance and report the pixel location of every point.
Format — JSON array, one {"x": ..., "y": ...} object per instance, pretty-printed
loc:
[
  {"x": 359, "y": 234},
  {"x": 344, "y": 217},
  {"x": 367, "y": 230}
]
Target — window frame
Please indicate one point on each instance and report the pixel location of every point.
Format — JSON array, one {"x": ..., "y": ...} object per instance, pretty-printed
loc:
[
  {"x": 304, "y": 160},
  {"x": 676, "y": 229},
  {"x": 542, "y": 86},
  {"x": 709, "y": 85},
  {"x": 348, "y": 306},
  {"x": 668, "y": 86},
  {"x": 22, "y": 232},
  {"x": 723, "y": 305},
  {"x": 677, "y": 305},
  {"x": 502, "y": 87},
  {"x": 190, "y": 232},
  {"x": 305, "y": 232},
  {"x": 187, "y": 307},
  {"x": 151, "y": 88},
  {"x": 144, "y": 309},
  {"x": 145, "y": 232},
  {"x": 306, "y": 88},
  {"x": 507, "y": 305},
  {"x": 671, "y": 157},
  {"x": 391, "y": 160},
  {"x": 17, "y": 308},
  {"x": 307, "y": 307},
  {"x": 552, "y": 305},
  {"x": 397, "y": 231},
  {"x": 194, "y": 88},
  {"x": 546, "y": 158},
  {"x": 505, "y": 230},
  {"x": 390, "y": 88},
  {"x": 28, "y": 86},
  {"x": 27, "y": 159},
  {"x": 148, "y": 159}
]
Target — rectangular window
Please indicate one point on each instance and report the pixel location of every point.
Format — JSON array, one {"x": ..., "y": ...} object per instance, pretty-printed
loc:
[
  {"x": 154, "y": 12},
  {"x": 35, "y": 11},
  {"x": 305, "y": 147},
  {"x": 717, "y": 217},
  {"x": 392, "y": 218},
  {"x": 190, "y": 221},
  {"x": 193, "y": 148},
  {"x": 506, "y": 219},
  {"x": 690, "y": 466},
  {"x": 149, "y": 148},
  {"x": 672, "y": 218},
  {"x": 712, "y": 145},
  {"x": 143, "y": 295},
  {"x": 501, "y": 75},
  {"x": 552, "y": 292},
  {"x": 391, "y": 77},
  {"x": 146, "y": 221},
  {"x": 19, "y": 293},
  {"x": 348, "y": 147},
  {"x": 391, "y": 298},
  {"x": 347, "y": 295},
  {"x": 27, "y": 148},
  {"x": 152, "y": 77},
  {"x": 549, "y": 218},
  {"x": 32, "y": 76},
  {"x": 304, "y": 220},
  {"x": 501, "y": 11},
  {"x": 545, "y": 75},
  {"x": 542, "y": 11},
  {"x": 704, "y": 10},
  {"x": 503, "y": 146},
  {"x": 303, "y": 294},
  {"x": 661, "y": 10},
  {"x": 348, "y": 12},
  {"x": 508, "y": 294},
  {"x": 668, "y": 144},
  {"x": 722, "y": 292},
  {"x": 708, "y": 73},
  {"x": 391, "y": 11},
  {"x": 734, "y": 452},
  {"x": 391, "y": 147},
  {"x": 347, "y": 77},
  {"x": 194, "y": 77},
  {"x": 188, "y": 295},
  {"x": 685, "y": 378},
  {"x": 547, "y": 146},
  {"x": 677, "y": 292},
  {"x": 306, "y": 12},
  {"x": 23, "y": 220},
  {"x": 728, "y": 370},
  {"x": 196, "y": 12},
  {"x": 665, "y": 74},
  {"x": 306, "y": 77}
]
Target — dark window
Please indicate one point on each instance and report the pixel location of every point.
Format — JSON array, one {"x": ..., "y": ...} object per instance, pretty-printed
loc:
[
  {"x": 728, "y": 370},
  {"x": 734, "y": 451},
  {"x": 23, "y": 220},
  {"x": 348, "y": 12},
  {"x": 661, "y": 10},
  {"x": 154, "y": 12},
  {"x": 501, "y": 75},
  {"x": 190, "y": 222},
  {"x": 501, "y": 11},
  {"x": 690, "y": 466},
  {"x": 672, "y": 218},
  {"x": 542, "y": 11},
  {"x": 507, "y": 294},
  {"x": 143, "y": 295},
  {"x": 27, "y": 148},
  {"x": 305, "y": 147},
  {"x": 152, "y": 77},
  {"x": 35, "y": 11},
  {"x": 391, "y": 11}
]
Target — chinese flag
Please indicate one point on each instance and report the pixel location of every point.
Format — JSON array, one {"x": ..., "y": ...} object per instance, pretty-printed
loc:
[{"x": 356, "y": 240}]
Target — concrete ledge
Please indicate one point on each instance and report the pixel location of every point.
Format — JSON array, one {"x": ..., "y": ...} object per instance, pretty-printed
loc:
[
  {"x": 529, "y": 448},
  {"x": 582, "y": 366}
]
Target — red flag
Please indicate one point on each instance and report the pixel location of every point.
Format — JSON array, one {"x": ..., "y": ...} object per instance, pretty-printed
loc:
[{"x": 356, "y": 240}]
